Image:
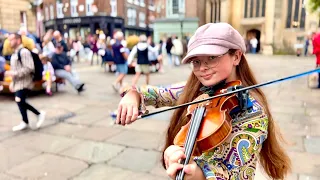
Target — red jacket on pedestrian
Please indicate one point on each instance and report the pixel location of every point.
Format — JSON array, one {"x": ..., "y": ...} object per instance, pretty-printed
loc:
[{"x": 316, "y": 47}]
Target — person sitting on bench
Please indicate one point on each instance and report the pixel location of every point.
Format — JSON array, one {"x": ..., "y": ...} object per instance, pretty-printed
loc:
[{"x": 62, "y": 66}]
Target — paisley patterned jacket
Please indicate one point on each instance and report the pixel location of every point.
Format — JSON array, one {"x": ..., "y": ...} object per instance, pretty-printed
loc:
[{"x": 237, "y": 156}]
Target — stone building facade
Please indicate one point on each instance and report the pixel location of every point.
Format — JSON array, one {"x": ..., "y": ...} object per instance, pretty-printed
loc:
[
  {"x": 17, "y": 13},
  {"x": 279, "y": 25}
]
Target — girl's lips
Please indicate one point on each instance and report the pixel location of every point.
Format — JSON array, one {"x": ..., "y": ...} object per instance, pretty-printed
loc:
[{"x": 207, "y": 76}]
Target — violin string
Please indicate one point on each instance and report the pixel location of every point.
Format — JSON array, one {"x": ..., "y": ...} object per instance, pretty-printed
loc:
[
  {"x": 231, "y": 92},
  {"x": 193, "y": 135},
  {"x": 194, "y": 117}
]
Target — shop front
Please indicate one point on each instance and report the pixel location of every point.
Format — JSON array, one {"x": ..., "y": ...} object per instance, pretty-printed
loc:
[
  {"x": 133, "y": 30},
  {"x": 83, "y": 26}
]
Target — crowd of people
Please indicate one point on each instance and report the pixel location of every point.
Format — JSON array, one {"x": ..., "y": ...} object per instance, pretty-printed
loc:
[{"x": 26, "y": 60}]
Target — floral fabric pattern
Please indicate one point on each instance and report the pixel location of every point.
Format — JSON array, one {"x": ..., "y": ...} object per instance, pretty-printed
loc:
[{"x": 236, "y": 157}]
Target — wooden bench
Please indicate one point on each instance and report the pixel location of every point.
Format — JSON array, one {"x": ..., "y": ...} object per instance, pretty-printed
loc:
[{"x": 37, "y": 84}]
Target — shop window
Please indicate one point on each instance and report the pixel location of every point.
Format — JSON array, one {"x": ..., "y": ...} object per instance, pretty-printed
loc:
[
  {"x": 142, "y": 19},
  {"x": 51, "y": 12},
  {"x": 60, "y": 10},
  {"x": 113, "y": 4},
  {"x": 89, "y": 11},
  {"x": 46, "y": 13},
  {"x": 74, "y": 7},
  {"x": 296, "y": 14},
  {"x": 132, "y": 16}
]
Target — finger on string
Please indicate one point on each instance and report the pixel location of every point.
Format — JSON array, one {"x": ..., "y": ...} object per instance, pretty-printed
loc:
[
  {"x": 169, "y": 151},
  {"x": 123, "y": 115},
  {"x": 176, "y": 156},
  {"x": 119, "y": 114},
  {"x": 190, "y": 169},
  {"x": 129, "y": 114},
  {"x": 172, "y": 170}
]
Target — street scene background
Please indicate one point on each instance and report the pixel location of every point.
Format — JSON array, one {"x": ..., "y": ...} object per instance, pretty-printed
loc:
[{"x": 77, "y": 42}]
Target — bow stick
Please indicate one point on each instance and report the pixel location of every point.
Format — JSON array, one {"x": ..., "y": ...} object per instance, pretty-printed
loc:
[{"x": 231, "y": 92}]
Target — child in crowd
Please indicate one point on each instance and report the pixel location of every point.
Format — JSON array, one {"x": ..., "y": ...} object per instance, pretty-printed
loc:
[{"x": 47, "y": 74}]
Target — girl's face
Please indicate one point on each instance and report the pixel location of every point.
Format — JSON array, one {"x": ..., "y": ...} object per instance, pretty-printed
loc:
[
  {"x": 210, "y": 70},
  {"x": 44, "y": 61}
]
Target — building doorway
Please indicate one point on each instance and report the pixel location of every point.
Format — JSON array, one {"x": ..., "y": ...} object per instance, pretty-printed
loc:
[{"x": 254, "y": 33}]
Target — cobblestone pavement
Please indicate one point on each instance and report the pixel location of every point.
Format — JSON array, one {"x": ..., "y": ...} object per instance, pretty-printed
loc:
[{"x": 78, "y": 140}]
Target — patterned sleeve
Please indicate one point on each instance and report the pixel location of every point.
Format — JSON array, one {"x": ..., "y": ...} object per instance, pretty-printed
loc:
[
  {"x": 236, "y": 157},
  {"x": 158, "y": 96}
]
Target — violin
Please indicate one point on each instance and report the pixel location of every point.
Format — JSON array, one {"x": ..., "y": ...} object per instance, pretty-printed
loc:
[{"x": 209, "y": 126}]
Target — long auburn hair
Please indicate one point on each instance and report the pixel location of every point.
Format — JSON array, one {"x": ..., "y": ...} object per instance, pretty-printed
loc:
[{"x": 272, "y": 157}]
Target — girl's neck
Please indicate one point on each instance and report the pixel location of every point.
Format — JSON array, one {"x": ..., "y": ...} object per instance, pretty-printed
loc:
[{"x": 233, "y": 76}]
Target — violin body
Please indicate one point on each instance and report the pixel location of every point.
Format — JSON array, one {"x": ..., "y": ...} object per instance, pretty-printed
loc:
[{"x": 216, "y": 123}]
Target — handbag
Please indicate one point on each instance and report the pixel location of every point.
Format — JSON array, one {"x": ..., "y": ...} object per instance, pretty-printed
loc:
[{"x": 313, "y": 80}]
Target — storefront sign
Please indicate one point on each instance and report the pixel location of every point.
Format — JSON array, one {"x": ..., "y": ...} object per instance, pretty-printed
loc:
[
  {"x": 49, "y": 23},
  {"x": 72, "y": 21}
]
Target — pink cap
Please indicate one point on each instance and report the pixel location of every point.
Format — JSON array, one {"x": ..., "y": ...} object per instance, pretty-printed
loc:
[{"x": 214, "y": 39}]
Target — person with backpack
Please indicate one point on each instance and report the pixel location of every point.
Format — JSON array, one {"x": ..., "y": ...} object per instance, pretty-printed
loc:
[{"x": 22, "y": 73}]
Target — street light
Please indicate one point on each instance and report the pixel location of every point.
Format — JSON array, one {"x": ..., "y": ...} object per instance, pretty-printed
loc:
[{"x": 181, "y": 17}]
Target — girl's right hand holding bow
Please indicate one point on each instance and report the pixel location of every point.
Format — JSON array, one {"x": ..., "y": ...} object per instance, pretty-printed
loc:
[{"x": 128, "y": 108}]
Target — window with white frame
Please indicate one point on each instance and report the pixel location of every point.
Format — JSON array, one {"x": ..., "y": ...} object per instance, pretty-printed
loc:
[
  {"x": 60, "y": 10},
  {"x": 151, "y": 5},
  {"x": 142, "y": 19},
  {"x": 175, "y": 7},
  {"x": 113, "y": 4},
  {"x": 142, "y": 3},
  {"x": 136, "y": 2},
  {"x": 46, "y": 13},
  {"x": 130, "y": 1},
  {"x": 51, "y": 12},
  {"x": 89, "y": 11},
  {"x": 132, "y": 16},
  {"x": 74, "y": 8}
]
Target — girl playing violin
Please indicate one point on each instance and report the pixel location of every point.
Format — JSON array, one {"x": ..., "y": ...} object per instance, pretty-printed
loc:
[{"x": 216, "y": 54}]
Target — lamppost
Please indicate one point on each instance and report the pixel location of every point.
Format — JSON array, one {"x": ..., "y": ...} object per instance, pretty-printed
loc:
[{"x": 181, "y": 17}]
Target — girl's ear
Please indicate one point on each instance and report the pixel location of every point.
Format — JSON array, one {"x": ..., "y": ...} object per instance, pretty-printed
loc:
[{"x": 237, "y": 58}]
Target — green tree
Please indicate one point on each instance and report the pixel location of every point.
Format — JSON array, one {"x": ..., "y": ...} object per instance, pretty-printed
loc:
[{"x": 314, "y": 5}]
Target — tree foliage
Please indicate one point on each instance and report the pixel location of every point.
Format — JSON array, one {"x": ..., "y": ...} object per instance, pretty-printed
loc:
[{"x": 314, "y": 5}]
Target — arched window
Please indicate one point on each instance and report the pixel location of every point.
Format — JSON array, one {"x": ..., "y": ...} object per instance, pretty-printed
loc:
[
  {"x": 254, "y": 8},
  {"x": 296, "y": 14},
  {"x": 215, "y": 10}
]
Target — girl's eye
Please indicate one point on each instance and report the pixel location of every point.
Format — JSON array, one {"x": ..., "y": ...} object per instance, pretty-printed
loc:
[
  {"x": 212, "y": 57},
  {"x": 195, "y": 62}
]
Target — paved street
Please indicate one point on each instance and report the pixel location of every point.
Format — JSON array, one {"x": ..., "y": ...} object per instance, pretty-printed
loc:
[{"x": 78, "y": 140}]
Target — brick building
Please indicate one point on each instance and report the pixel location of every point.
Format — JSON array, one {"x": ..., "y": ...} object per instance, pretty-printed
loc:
[
  {"x": 92, "y": 16},
  {"x": 182, "y": 18}
]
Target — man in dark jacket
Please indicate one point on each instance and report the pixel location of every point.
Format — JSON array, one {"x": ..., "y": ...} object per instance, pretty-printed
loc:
[{"x": 62, "y": 66}]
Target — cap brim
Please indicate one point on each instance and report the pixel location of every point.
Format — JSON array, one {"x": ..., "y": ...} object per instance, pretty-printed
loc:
[{"x": 204, "y": 50}]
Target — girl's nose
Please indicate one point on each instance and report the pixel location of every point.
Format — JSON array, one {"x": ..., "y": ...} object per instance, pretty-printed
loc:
[{"x": 204, "y": 66}]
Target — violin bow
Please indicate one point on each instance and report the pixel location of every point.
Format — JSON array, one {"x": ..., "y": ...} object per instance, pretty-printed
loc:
[{"x": 231, "y": 92}]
